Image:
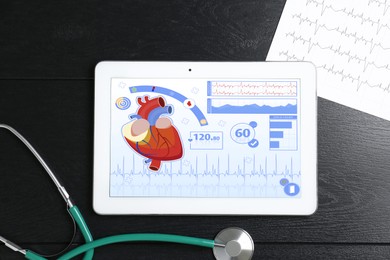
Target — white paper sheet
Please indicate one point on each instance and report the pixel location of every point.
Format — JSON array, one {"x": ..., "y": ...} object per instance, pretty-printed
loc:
[{"x": 349, "y": 43}]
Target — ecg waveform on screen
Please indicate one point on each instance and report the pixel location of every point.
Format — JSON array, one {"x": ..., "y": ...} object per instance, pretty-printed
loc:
[
  {"x": 253, "y": 88},
  {"x": 214, "y": 169}
]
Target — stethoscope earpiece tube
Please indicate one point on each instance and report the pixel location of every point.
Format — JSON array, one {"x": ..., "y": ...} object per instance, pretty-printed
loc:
[
  {"x": 61, "y": 188},
  {"x": 75, "y": 213},
  {"x": 231, "y": 243}
]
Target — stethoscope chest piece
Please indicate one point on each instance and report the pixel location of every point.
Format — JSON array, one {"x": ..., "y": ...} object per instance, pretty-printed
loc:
[{"x": 233, "y": 243}]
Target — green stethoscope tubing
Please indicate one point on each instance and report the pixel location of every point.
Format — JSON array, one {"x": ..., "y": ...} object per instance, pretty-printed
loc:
[
  {"x": 149, "y": 237},
  {"x": 142, "y": 237},
  {"x": 75, "y": 212},
  {"x": 88, "y": 248},
  {"x": 78, "y": 218}
]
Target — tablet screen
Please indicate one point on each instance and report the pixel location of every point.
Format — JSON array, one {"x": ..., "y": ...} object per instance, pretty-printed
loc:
[{"x": 229, "y": 138}]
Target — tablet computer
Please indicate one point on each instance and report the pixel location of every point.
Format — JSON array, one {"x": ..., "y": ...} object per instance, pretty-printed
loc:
[{"x": 219, "y": 138}]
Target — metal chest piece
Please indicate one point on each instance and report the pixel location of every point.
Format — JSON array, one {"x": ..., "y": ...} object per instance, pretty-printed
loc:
[{"x": 233, "y": 243}]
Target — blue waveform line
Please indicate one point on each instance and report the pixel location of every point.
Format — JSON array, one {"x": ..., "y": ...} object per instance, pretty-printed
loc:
[
  {"x": 252, "y": 109},
  {"x": 214, "y": 169}
]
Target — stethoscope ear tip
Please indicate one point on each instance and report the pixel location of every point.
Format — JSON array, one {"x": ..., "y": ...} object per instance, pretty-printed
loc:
[{"x": 233, "y": 243}]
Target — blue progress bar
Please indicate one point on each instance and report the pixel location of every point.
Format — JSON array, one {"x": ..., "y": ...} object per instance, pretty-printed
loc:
[
  {"x": 283, "y": 117},
  {"x": 273, "y": 144},
  {"x": 208, "y": 88},
  {"x": 148, "y": 88},
  {"x": 276, "y": 134},
  {"x": 280, "y": 125}
]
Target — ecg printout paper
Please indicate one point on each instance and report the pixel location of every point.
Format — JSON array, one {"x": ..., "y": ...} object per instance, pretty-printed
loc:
[{"x": 348, "y": 42}]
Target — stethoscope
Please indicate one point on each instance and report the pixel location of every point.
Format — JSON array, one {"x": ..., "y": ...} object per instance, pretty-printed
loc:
[{"x": 230, "y": 243}]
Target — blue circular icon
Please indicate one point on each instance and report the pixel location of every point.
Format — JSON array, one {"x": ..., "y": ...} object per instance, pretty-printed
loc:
[
  {"x": 291, "y": 189},
  {"x": 123, "y": 103},
  {"x": 242, "y": 133},
  {"x": 253, "y": 124},
  {"x": 253, "y": 143},
  {"x": 283, "y": 182}
]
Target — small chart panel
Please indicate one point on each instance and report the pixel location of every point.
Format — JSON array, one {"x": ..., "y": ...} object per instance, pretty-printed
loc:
[
  {"x": 251, "y": 106},
  {"x": 268, "y": 88},
  {"x": 283, "y": 133}
]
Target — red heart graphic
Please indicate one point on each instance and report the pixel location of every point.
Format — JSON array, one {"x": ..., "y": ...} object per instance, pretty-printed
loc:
[{"x": 152, "y": 136}]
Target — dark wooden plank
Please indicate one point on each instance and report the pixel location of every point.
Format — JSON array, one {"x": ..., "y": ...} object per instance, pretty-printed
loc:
[
  {"x": 31, "y": 203},
  {"x": 57, "y": 117},
  {"x": 66, "y": 39},
  {"x": 262, "y": 251}
]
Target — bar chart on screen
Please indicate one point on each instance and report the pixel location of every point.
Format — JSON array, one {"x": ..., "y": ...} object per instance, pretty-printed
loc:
[{"x": 283, "y": 133}]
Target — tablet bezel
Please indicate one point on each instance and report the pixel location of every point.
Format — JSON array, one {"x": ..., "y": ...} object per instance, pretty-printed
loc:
[{"x": 306, "y": 204}]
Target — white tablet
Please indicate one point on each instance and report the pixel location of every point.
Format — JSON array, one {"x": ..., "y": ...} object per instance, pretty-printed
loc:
[{"x": 220, "y": 138}]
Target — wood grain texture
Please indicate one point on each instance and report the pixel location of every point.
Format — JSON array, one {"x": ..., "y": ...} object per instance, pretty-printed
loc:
[
  {"x": 267, "y": 251},
  {"x": 57, "y": 117},
  {"x": 66, "y": 39},
  {"x": 48, "y": 52}
]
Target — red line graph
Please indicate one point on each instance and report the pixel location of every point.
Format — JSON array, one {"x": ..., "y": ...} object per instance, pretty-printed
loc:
[{"x": 254, "y": 88}]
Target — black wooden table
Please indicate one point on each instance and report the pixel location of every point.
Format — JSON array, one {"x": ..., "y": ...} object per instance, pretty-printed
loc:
[{"x": 48, "y": 51}]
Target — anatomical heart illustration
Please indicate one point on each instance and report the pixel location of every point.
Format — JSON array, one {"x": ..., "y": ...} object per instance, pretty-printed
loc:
[{"x": 152, "y": 134}]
